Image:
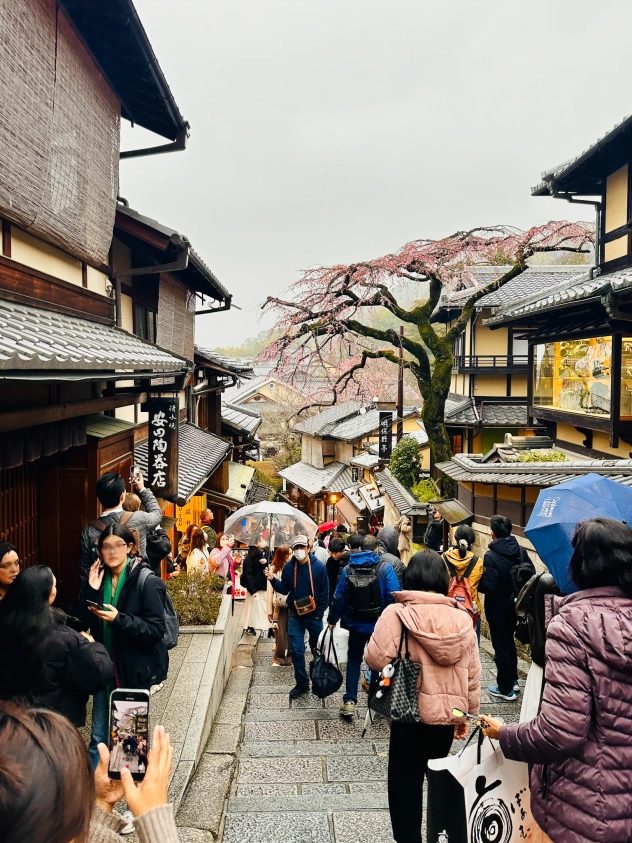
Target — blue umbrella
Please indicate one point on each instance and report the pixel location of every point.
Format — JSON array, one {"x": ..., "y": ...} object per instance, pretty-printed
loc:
[{"x": 559, "y": 509}]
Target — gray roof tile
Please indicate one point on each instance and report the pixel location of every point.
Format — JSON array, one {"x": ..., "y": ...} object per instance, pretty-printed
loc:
[
  {"x": 34, "y": 339},
  {"x": 346, "y": 421},
  {"x": 231, "y": 364},
  {"x": 199, "y": 454},
  {"x": 403, "y": 500},
  {"x": 240, "y": 418},
  {"x": 460, "y": 410},
  {"x": 513, "y": 415},
  {"x": 332, "y": 478}
]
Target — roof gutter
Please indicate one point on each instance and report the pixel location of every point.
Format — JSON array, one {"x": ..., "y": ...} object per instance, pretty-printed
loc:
[
  {"x": 178, "y": 145},
  {"x": 596, "y": 205}
]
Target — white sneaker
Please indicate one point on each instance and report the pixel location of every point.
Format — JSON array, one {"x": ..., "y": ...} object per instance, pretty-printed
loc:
[
  {"x": 155, "y": 688},
  {"x": 129, "y": 828}
]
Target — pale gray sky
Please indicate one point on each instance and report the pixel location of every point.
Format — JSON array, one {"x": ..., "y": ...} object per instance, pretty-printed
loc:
[{"x": 338, "y": 130}]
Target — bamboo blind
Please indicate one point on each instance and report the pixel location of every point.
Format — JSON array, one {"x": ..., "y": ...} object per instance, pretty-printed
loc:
[{"x": 59, "y": 132}]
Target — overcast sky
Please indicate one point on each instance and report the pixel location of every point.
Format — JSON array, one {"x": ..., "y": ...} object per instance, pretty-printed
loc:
[{"x": 338, "y": 130}]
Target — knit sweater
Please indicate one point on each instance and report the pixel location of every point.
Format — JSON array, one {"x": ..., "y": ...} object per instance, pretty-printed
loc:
[{"x": 155, "y": 826}]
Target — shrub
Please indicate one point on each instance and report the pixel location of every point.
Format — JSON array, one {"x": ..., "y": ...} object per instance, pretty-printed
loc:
[
  {"x": 405, "y": 461},
  {"x": 538, "y": 456},
  {"x": 196, "y": 598},
  {"x": 425, "y": 491}
]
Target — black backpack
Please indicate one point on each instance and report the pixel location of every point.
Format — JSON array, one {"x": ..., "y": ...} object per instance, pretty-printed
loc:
[
  {"x": 364, "y": 593},
  {"x": 521, "y": 573}
]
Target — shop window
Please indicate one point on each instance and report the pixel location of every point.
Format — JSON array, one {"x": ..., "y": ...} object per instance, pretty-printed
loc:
[
  {"x": 626, "y": 378},
  {"x": 574, "y": 376},
  {"x": 145, "y": 323}
]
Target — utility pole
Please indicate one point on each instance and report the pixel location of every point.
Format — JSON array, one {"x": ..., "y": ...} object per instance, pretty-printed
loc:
[{"x": 400, "y": 387}]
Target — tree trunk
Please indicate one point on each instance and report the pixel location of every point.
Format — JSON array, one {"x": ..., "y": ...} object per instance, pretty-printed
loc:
[{"x": 433, "y": 413}]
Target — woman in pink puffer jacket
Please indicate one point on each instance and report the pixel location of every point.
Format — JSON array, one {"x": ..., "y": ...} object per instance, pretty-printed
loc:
[
  {"x": 442, "y": 640},
  {"x": 580, "y": 744}
]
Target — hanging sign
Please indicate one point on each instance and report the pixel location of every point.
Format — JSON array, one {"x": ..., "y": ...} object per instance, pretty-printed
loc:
[
  {"x": 385, "y": 435},
  {"x": 162, "y": 462},
  {"x": 354, "y": 474}
]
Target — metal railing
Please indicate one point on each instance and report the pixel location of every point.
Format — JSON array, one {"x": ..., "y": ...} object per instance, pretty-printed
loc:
[{"x": 472, "y": 363}]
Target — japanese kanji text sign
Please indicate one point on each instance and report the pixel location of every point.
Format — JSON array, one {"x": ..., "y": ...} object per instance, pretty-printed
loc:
[
  {"x": 385, "y": 434},
  {"x": 162, "y": 465}
]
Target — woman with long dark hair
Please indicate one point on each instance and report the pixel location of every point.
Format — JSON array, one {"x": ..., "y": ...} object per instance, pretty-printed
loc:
[
  {"x": 579, "y": 746},
  {"x": 197, "y": 560},
  {"x": 276, "y": 607},
  {"x": 131, "y": 622},
  {"x": 253, "y": 579},
  {"x": 440, "y": 637},
  {"x": 42, "y": 660},
  {"x": 9, "y": 566}
]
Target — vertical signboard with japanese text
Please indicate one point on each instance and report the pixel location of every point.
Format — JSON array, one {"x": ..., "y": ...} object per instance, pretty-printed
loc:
[
  {"x": 385, "y": 434},
  {"x": 162, "y": 467}
]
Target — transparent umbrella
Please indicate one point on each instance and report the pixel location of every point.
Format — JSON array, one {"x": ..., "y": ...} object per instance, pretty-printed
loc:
[{"x": 277, "y": 522}]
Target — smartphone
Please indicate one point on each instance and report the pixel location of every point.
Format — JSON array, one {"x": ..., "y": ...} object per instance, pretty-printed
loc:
[
  {"x": 93, "y": 604},
  {"x": 129, "y": 732},
  {"x": 135, "y": 475}
]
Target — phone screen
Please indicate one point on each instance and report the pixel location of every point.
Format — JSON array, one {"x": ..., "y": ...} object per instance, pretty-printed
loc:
[
  {"x": 129, "y": 732},
  {"x": 92, "y": 603}
]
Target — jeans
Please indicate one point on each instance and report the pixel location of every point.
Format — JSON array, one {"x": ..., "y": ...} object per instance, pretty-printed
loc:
[
  {"x": 100, "y": 724},
  {"x": 478, "y": 631},
  {"x": 501, "y": 617},
  {"x": 357, "y": 643},
  {"x": 297, "y": 627},
  {"x": 411, "y": 745}
]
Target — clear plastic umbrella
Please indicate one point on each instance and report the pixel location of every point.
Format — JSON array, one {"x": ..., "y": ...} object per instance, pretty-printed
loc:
[{"x": 278, "y": 523}]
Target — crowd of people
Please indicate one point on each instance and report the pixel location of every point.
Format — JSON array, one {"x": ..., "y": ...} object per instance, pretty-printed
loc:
[{"x": 427, "y": 605}]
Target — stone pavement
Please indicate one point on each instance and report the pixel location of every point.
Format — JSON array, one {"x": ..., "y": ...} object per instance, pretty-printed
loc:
[{"x": 294, "y": 771}]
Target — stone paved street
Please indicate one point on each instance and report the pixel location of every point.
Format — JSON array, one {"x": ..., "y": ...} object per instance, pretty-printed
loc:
[{"x": 294, "y": 772}]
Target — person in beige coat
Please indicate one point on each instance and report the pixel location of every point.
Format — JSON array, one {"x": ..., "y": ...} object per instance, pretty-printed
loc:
[
  {"x": 442, "y": 640},
  {"x": 404, "y": 543}
]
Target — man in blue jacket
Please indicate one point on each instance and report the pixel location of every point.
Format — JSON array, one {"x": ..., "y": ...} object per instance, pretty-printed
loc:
[
  {"x": 364, "y": 590},
  {"x": 302, "y": 577}
]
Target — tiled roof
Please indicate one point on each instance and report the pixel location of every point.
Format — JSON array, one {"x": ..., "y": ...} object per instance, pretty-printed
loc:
[
  {"x": 240, "y": 418},
  {"x": 563, "y": 170},
  {"x": 565, "y": 294},
  {"x": 100, "y": 426},
  {"x": 513, "y": 415},
  {"x": 365, "y": 460},
  {"x": 199, "y": 454},
  {"x": 323, "y": 422},
  {"x": 533, "y": 281},
  {"x": 242, "y": 391},
  {"x": 35, "y": 339},
  {"x": 229, "y": 364},
  {"x": 346, "y": 422},
  {"x": 461, "y": 410},
  {"x": 333, "y": 478},
  {"x": 403, "y": 500},
  {"x": 468, "y": 469},
  {"x": 258, "y": 492}
]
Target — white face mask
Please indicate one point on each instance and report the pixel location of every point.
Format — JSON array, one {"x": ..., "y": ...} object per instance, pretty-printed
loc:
[{"x": 300, "y": 554}]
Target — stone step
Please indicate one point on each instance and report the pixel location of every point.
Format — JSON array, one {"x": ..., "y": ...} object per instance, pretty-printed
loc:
[
  {"x": 310, "y": 802},
  {"x": 291, "y": 749},
  {"x": 312, "y": 769}
]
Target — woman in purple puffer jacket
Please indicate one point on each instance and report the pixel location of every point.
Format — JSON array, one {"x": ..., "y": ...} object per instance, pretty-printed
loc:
[{"x": 580, "y": 744}]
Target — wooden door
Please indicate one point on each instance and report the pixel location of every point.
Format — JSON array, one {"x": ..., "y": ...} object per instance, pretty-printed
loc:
[{"x": 19, "y": 523}]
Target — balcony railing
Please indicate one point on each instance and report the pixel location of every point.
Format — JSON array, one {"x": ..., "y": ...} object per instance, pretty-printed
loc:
[{"x": 471, "y": 364}]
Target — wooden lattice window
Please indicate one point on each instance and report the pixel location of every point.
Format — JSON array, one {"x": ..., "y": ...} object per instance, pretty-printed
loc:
[{"x": 19, "y": 520}]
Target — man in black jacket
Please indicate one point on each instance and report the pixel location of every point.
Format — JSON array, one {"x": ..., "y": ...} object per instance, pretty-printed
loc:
[
  {"x": 338, "y": 559},
  {"x": 497, "y": 585},
  {"x": 433, "y": 539},
  {"x": 387, "y": 550}
]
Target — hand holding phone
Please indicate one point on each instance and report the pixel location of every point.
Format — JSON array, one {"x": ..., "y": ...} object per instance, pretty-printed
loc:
[
  {"x": 154, "y": 789},
  {"x": 129, "y": 732},
  {"x": 92, "y": 604}
]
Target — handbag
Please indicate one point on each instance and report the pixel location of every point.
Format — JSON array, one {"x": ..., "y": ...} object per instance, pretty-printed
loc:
[
  {"x": 398, "y": 701},
  {"x": 326, "y": 677},
  {"x": 305, "y": 605}
]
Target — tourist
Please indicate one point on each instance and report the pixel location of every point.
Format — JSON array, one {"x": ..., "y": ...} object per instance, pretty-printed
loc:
[
  {"x": 355, "y": 543},
  {"x": 360, "y": 619},
  {"x": 221, "y": 561},
  {"x": 304, "y": 579},
  {"x": 159, "y": 548},
  {"x": 110, "y": 491},
  {"x": 42, "y": 660},
  {"x": 131, "y": 623},
  {"x": 197, "y": 560},
  {"x": 404, "y": 542},
  {"x": 440, "y": 638},
  {"x": 131, "y": 503},
  {"x": 579, "y": 746},
  {"x": 9, "y": 566},
  {"x": 433, "y": 538},
  {"x": 253, "y": 579},
  {"x": 461, "y": 560},
  {"x": 276, "y": 607},
  {"x": 207, "y": 525},
  {"x": 48, "y": 793},
  {"x": 497, "y": 585},
  {"x": 184, "y": 547},
  {"x": 388, "y": 550},
  {"x": 336, "y": 562}
]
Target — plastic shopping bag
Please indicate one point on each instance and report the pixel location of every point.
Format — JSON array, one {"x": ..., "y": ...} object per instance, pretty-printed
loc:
[
  {"x": 479, "y": 796},
  {"x": 339, "y": 643}
]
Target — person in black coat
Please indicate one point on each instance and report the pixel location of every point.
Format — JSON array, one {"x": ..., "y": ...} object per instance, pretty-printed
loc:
[
  {"x": 131, "y": 623},
  {"x": 338, "y": 560},
  {"x": 433, "y": 538},
  {"x": 253, "y": 579},
  {"x": 43, "y": 660},
  {"x": 387, "y": 541}
]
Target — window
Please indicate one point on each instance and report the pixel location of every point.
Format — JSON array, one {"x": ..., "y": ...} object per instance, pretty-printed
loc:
[
  {"x": 626, "y": 378},
  {"x": 574, "y": 376},
  {"x": 145, "y": 322}
]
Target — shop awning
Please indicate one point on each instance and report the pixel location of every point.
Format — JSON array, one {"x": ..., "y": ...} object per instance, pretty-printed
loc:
[
  {"x": 453, "y": 511},
  {"x": 347, "y": 510},
  {"x": 200, "y": 453}
]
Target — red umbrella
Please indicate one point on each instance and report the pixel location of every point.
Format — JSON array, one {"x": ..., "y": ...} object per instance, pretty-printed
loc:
[{"x": 328, "y": 525}]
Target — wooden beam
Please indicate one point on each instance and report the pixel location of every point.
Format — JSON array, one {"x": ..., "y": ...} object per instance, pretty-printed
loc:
[
  {"x": 17, "y": 419},
  {"x": 6, "y": 238},
  {"x": 30, "y": 286},
  {"x": 142, "y": 231}
]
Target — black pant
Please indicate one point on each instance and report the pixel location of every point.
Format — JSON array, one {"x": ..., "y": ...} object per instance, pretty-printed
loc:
[
  {"x": 501, "y": 617},
  {"x": 412, "y": 744}
]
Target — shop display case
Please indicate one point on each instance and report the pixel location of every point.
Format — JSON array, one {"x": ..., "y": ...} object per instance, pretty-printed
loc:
[{"x": 575, "y": 376}]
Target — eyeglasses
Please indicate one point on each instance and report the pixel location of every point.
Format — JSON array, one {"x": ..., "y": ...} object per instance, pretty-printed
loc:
[{"x": 112, "y": 548}]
